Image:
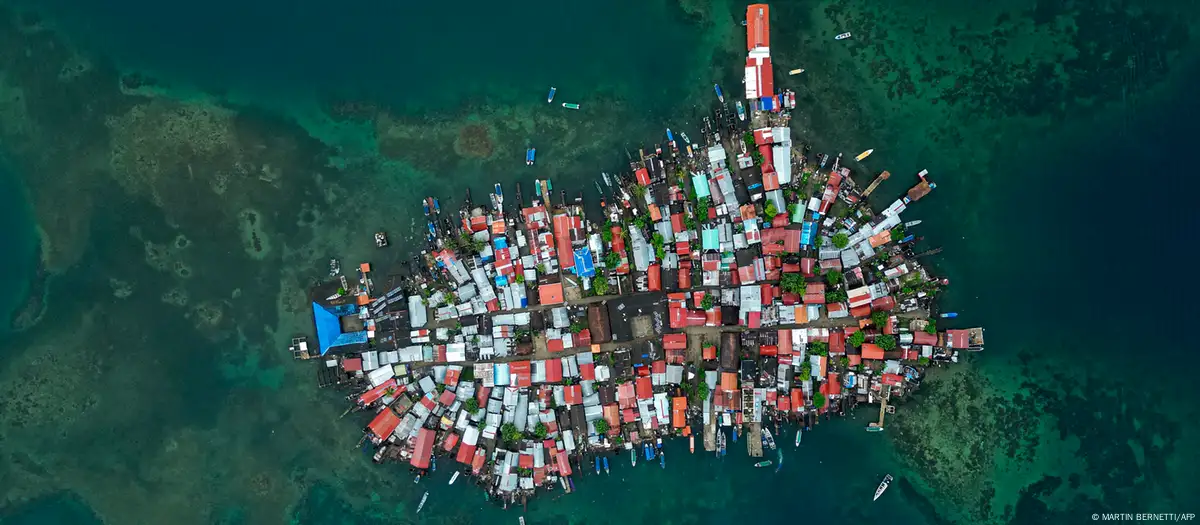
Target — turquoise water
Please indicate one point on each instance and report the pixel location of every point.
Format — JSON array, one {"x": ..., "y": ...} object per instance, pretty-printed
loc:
[{"x": 1052, "y": 131}]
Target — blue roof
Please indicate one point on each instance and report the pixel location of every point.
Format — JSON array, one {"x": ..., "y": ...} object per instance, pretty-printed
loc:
[
  {"x": 767, "y": 103},
  {"x": 806, "y": 233},
  {"x": 500, "y": 243},
  {"x": 700, "y": 184},
  {"x": 584, "y": 266},
  {"x": 710, "y": 239},
  {"x": 329, "y": 328}
]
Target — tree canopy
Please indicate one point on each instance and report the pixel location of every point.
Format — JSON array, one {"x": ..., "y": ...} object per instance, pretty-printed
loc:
[
  {"x": 856, "y": 339},
  {"x": 840, "y": 240},
  {"x": 540, "y": 430},
  {"x": 886, "y": 342},
  {"x": 509, "y": 432},
  {"x": 879, "y": 319},
  {"x": 600, "y": 285},
  {"x": 601, "y": 426},
  {"x": 471, "y": 405},
  {"x": 708, "y": 301},
  {"x": 931, "y": 326},
  {"x": 793, "y": 283},
  {"x": 819, "y": 348},
  {"x": 818, "y": 400},
  {"x": 833, "y": 277}
]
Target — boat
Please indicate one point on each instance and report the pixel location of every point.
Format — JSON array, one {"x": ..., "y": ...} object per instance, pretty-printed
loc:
[
  {"x": 842, "y": 36},
  {"x": 720, "y": 95},
  {"x": 799, "y": 435},
  {"x": 633, "y": 457},
  {"x": 948, "y": 315},
  {"x": 437, "y": 206},
  {"x": 607, "y": 179},
  {"x": 662, "y": 460},
  {"x": 692, "y": 443},
  {"x": 874, "y": 427},
  {"x": 778, "y": 460},
  {"x": 530, "y": 154},
  {"x": 795, "y": 71},
  {"x": 670, "y": 136},
  {"x": 605, "y": 458},
  {"x": 768, "y": 439},
  {"x": 741, "y": 111},
  {"x": 454, "y": 477},
  {"x": 433, "y": 464},
  {"x": 597, "y": 465},
  {"x": 599, "y": 190},
  {"x": 735, "y": 434},
  {"x": 335, "y": 267},
  {"x": 418, "y": 479},
  {"x": 762, "y": 464},
  {"x": 864, "y": 154},
  {"x": 426, "y": 496},
  {"x": 521, "y": 520},
  {"x": 570, "y": 105},
  {"x": 686, "y": 140},
  {"x": 658, "y": 443},
  {"x": 425, "y": 205},
  {"x": 550, "y": 97},
  {"x": 910, "y": 224},
  {"x": 380, "y": 239},
  {"x": 887, "y": 480}
]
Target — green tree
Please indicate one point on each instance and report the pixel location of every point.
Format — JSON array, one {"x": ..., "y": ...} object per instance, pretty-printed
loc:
[
  {"x": 441, "y": 388},
  {"x": 509, "y": 433},
  {"x": 819, "y": 241},
  {"x": 600, "y": 285},
  {"x": 601, "y": 426},
  {"x": 541, "y": 268},
  {"x": 818, "y": 348},
  {"x": 618, "y": 440},
  {"x": 879, "y": 319},
  {"x": 835, "y": 296},
  {"x": 886, "y": 342},
  {"x": 520, "y": 278},
  {"x": 701, "y": 392},
  {"x": 637, "y": 191},
  {"x": 702, "y": 205},
  {"x": 841, "y": 240},
  {"x": 540, "y": 431},
  {"x": 770, "y": 210},
  {"x": 833, "y": 277},
  {"x": 578, "y": 326},
  {"x": 612, "y": 260},
  {"x": 844, "y": 362},
  {"x": 818, "y": 400},
  {"x": 748, "y": 139},
  {"x": 856, "y": 339},
  {"x": 606, "y": 235},
  {"x": 708, "y": 301},
  {"x": 793, "y": 283},
  {"x": 471, "y": 405},
  {"x": 931, "y": 326},
  {"x": 805, "y": 372},
  {"x": 924, "y": 361}
]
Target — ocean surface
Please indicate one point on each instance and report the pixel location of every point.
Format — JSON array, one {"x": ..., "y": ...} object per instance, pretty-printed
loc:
[{"x": 175, "y": 176}]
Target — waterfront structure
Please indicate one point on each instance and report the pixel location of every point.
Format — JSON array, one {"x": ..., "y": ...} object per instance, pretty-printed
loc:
[{"x": 705, "y": 299}]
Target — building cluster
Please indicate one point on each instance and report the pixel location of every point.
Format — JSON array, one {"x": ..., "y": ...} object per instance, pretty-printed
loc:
[{"x": 708, "y": 296}]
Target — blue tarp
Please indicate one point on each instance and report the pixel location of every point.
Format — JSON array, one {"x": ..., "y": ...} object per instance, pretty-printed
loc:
[
  {"x": 584, "y": 267},
  {"x": 329, "y": 328},
  {"x": 500, "y": 243},
  {"x": 768, "y": 103},
  {"x": 806, "y": 233}
]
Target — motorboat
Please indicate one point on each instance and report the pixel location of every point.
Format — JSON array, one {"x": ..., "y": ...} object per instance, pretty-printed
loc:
[
  {"x": 335, "y": 267},
  {"x": 741, "y": 111},
  {"x": 426, "y": 497},
  {"x": 887, "y": 480},
  {"x": 864, "y": 155},
  {"x": 720, "y": 95},
  {"x": 874, "y": 427},
  {"x": 662, "y": 459},
  {"x": 380, "y": 239},
  {"x": 948, "y": 315},
  {"x": 607, "y": 179},
  {"x": 842, "y": 36},
  {"x": 605, "y": 458},
  {"x": 799, "y": 435},
  {"x": 762, "y": 464},
  {"x": 910, "y": 224},
  {"x": 686, "y": 140},
  {"x": 692, "y": 443},
  {"x": 530, "y": 155},
  {"x": 768, "y": 439},
  {"x": 633, "y": 457},
  {"x": 570, "y": 105},
  {"x": 795, "y": 71},
  {"x": 550, "y": 97},
  {"x": 454, "y": 477}
]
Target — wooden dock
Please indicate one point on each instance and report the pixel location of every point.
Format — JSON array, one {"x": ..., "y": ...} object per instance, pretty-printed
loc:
[
  {"x": 710, "y": 435},
  {"x": 754, "y": 446}
]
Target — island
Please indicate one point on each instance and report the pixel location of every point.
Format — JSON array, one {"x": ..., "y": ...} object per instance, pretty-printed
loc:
[{"x": 737, "y": 285}]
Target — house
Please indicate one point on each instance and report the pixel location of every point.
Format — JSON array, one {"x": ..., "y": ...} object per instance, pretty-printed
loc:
[{"x": 550, "y": 293}]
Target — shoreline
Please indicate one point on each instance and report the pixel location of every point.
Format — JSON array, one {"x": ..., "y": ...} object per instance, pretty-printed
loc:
[{"x": 457, "y": 357}]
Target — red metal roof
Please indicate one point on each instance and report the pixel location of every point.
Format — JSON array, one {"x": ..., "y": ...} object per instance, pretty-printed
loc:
[
  {"x": 562, "y": 240},
  {"x": 573, "y": 394},
  {"x": 685, "y": 274},
  {"x": 892, "y": 379},
  {"x": 758, "y": 26},
  {"x": 768, "y": 350},
  {"x": 424, "y": 448},
  {"x": 785, "y": 342},
  {"x": 452, "y": 376},
  {"x": 958, "y": 338},
  {"x": 588, "y": 372},
  {"x": 797, "y": 399},
  {"x": 521, "y": 369},
  {"x": 550, "y": 293},
  {"x": 923, "y": 338},
  {"x": 883, "y": 303},
  {"x": 353, "y": 364},
  {"x": 709, "y": 353},
  {"x": 654, "y": 277},
  {"x": 564, "y": 464},
  {"x": 625, "y": 395},
  {"x": 555, "y": 345},
  {"x": 375, "y": 394},
  {"x": 553, "y": 370},
  {"x": 677, "y": 222},
  {"x": 643, "y": 176},
  {"x": 674, "y": 341},
  {"x": 645, "y": 390},
  {"x": 871, "y": 351},
  {"x": 384, "y": 423},
  {"x": 447, "y": 398},
  {"x": 465, "y": 454},
  {"x": 837, "y": 343},
  {"x": 451, "y": 440},
  {"x": 861, "y": 311},
  {"x": 525, "y": 461},
  {"x": 679, "y": 412},
  {"x": 612, "y": 414}
]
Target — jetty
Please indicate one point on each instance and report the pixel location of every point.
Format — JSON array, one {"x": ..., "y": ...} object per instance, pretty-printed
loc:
[{"x": 730, "y": 284}]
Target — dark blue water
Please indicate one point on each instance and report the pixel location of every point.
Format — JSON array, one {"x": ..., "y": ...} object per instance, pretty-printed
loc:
[{"x": 19, "y": 240}]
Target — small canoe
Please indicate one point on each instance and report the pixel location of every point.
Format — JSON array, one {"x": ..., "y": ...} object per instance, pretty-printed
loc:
[
  {"x": 570, "y": 105},
  {"x": 948, "y": 315},
  {"x": 795, "y": 71},
  {"x": 454, "y": 477},
  {"x": 864, "y": 155},
  {"x": 692, "y": 443}
]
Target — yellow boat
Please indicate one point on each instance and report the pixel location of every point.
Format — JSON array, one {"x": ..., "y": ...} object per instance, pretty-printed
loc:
[
  {"x": 795, "y": 71},
  {"x": 864, "y": 154}
]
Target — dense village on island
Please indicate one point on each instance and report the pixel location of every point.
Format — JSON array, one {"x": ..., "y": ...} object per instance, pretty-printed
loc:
[{"x": 733, "y": 290}]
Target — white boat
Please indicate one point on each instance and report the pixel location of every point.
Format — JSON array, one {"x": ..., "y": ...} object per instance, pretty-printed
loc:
[
  {"x": 521, "y": 520},
  {"x": 910, "y": 224},
  {"x": 796, "y": 71},
  {"x": 799, "y": 435},
  {"x": 425, "y": 497},
  {"x": 842, "y": 36},
  {"x": 887, "y": 480},
  {"x": 741, "y": 111},
  {"x": 454, "y": 477}
]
